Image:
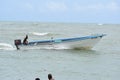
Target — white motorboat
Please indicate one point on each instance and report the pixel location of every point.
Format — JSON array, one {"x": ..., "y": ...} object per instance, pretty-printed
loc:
[{"x": 85, "y": 42}]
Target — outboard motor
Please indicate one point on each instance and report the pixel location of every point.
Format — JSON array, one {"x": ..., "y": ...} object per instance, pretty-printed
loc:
[{"x": 17, "y": 42}]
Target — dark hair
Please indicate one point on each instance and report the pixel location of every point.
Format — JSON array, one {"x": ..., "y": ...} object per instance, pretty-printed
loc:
[
  {"x": 49, "y": 76},
  {"x": 37, "y": 78}
]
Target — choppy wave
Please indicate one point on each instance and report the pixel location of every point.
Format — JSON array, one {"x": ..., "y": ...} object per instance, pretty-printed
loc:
[
  {"x": 44, "y": 34},
  {"x": 40, "y": 34},
  {"x": 100, "y": 24},
  {"x": 6, "y": 46}
]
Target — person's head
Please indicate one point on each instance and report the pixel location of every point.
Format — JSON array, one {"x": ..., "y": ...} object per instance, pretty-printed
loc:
[
  {"x": 26, "y": 36},
  {"x": 37, "y": 78},
  {"x": 49, "y": 76}
]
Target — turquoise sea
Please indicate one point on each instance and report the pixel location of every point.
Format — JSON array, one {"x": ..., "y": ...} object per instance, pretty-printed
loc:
[{"x": 100, "y": 63}]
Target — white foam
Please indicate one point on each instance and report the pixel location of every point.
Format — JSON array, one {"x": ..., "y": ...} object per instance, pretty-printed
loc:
[
  {"x": 40, "y": 34},
  {"x": 6, "y": 46},
  {"x": 100, "y": 24}
]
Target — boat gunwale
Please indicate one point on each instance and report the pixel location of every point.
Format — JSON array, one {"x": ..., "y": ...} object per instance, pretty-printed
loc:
[{"x": 67, "y": 39}]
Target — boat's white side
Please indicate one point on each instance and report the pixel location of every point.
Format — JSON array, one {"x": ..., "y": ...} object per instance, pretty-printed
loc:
[
  {"x": 82, "y": 44},
  {"x": 71, "y": 43}
]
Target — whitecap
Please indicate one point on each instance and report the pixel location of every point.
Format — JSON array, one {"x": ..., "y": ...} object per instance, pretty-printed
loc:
[
  {"x": 6, "y": 46},
  {"x": 40, "y": 34},
  {"x": 100, "y": 24}
]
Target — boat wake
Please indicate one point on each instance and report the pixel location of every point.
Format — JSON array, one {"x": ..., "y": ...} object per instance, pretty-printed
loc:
[{"x": 6, "y": 46}]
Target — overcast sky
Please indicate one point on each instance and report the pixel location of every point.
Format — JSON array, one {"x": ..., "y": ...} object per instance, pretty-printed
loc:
[{"x": 83, "y": 11}]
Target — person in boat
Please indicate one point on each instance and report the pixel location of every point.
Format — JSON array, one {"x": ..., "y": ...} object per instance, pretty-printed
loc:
[
  {"x": 50, "y": 77},
  {"x": 25, "y": 40}
]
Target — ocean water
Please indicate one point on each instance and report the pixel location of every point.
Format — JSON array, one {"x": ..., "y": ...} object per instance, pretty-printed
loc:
[{"x": 100, "y": 63}]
